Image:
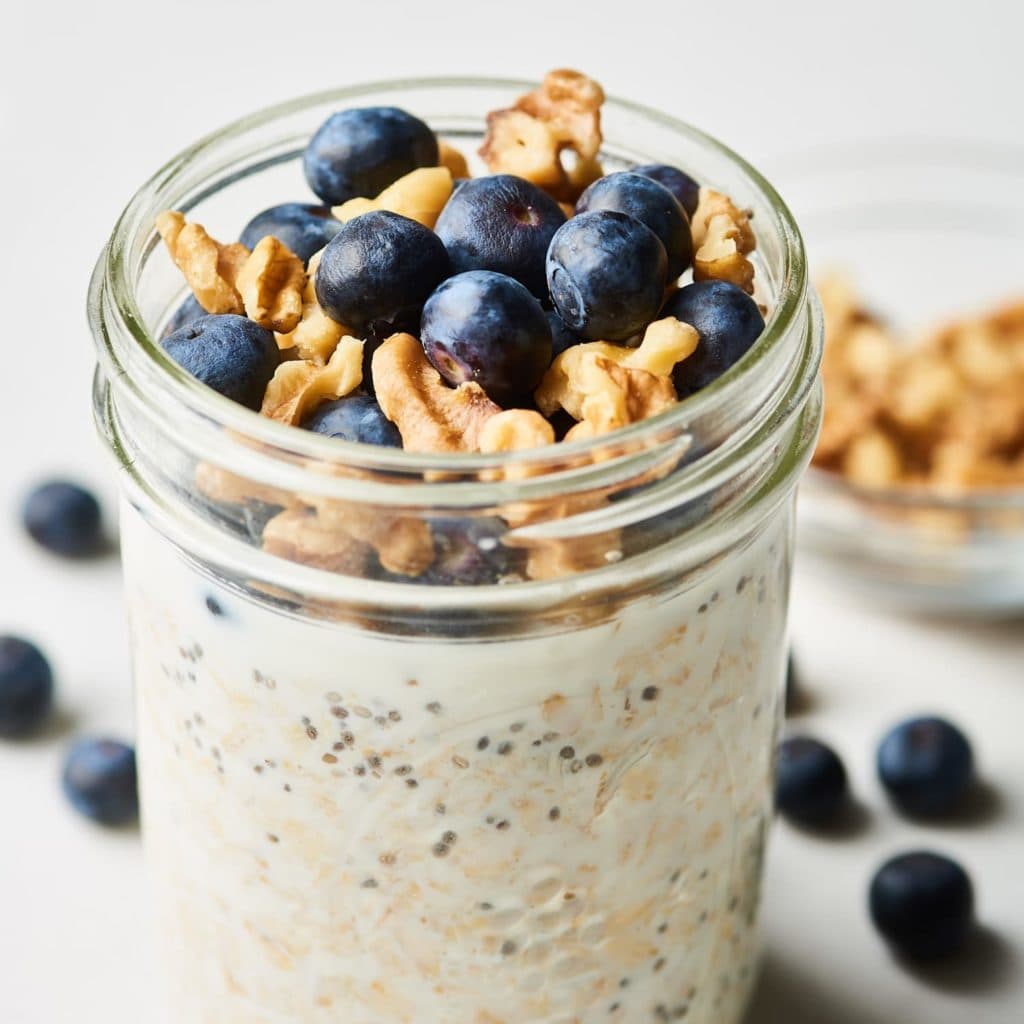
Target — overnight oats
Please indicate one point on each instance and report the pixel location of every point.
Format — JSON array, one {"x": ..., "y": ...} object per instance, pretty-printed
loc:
[{"x": 457, "y": 537}]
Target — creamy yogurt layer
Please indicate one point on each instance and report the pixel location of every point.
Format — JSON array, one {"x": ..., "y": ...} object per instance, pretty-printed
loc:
[{"x": 558, "y": 829}]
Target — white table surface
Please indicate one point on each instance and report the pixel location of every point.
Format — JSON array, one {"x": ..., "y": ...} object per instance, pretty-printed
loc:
[{"x": 94, "y": 96}]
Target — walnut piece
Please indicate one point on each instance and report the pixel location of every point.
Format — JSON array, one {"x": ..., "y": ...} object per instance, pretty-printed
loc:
[
  {"x": 300, "y": 535},
  {"x": 316, "y": 335},
  {"x": 551, "y": 136},
  {"x": 604, "y": 394},
  {"x": 430, "y": 416},
  {"x": 419, "y": 195},
  {"x": 271, "y": 283},
  {"x": 404, "y": 544},
  {"x": 450, "y": 157},
  {"x": 211, "y": 269},
  {"x": 607, "y": 386},
  {"x": 722, "y": 240},
  {"x": 515, "y": 430},
  {"x": 299, "y": 386}
]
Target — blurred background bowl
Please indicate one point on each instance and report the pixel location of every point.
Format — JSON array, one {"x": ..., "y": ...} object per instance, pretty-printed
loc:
[{"x": 928, "y": 231}]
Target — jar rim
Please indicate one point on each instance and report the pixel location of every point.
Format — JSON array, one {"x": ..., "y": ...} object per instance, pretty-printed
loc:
[{"x": 113, "y": 305}]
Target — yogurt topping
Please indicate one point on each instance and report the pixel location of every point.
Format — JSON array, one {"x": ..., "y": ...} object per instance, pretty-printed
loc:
[{"x": 552, "y": 829}]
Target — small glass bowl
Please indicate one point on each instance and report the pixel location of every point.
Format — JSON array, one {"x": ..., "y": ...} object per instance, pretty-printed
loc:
[{"x": 928, "y": 232}]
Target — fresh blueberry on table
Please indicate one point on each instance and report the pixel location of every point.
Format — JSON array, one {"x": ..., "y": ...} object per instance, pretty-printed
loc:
[
  {"x": 923, "y": 905},
  {"x": 501, "y": 223},
  {"x": 926, "y": 766},
  {"x": 100, "y": 781},
  {"x": 378, "y": 271},
  {"x": 64, "y": 518},
  {"x": 561, "y": 337},
  {"x": 810, "y": 781},
  {"x": 355, "y": 418},
  {"x": 486, "y": 327},
  {"x": 678, "y": 182},
  {"x": 652, "y": 204},
  {"x": 26, "y": 687},
  {"x": 728, "y": 322},
  {"x": 186, "y": 313},
  {"x": 231, "y": 354},
  {"x": 303, "y": 227},
  {"x": 360, "y": 152},
  {"x": 606, "y": 274}
]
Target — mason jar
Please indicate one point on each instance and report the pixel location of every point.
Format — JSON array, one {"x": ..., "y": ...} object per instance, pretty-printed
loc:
[{"x": 371, "y": 792}]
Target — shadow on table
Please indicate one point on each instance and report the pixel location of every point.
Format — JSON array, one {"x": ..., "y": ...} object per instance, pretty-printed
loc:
[{"x": 795, "y": 995}]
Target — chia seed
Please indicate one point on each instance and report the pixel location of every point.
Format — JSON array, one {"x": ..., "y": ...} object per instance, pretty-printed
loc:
[
  {"x": 404, "y": 769},
  {"x": 593, "y": 760},
  {"x": 502, "y": 825},
  {"x": 362, "y": 712},
  {"x": 273, "y": 838},
  {"x": 339, "y": 712},
  {"x": 360, "y": 769},
  {"x": 517, "y": 727},
  {"x": 440, "y": 809},
  {"x": 441, "y": 849},
  {"x": 483, "y": 743},
  {"x": 505, "y": 748},
  {"x": 434, "y": 707},
  {"x": 485, "y": 906},
  {"x": 287, "y": 787},
  {"x": 650, "y": 693},
  {"x": 508, "y": 947},
  {"x": 554, "y": 814},
  {"x": 338, "y": 746},
  {"x": 213, "y": 606},
  {"x": 449, "y": 838},
  {"x": 411, "y": 783},
  {"x": 576, "y": 766},
  {"x": 658, "y": 964},
  {"x": 329, "y": 759},
  {"x": 394, "y": 716},
  {"x": 566, "y": 753},
  {"x": 370, "y": 883},
  {"x": 549, "y": 736},
  {"x": 347, "y": 738},
  {"x": 460, "y": 762},
  {"x": 311, "y": 732},
  {"x": 374, "y": 761}
]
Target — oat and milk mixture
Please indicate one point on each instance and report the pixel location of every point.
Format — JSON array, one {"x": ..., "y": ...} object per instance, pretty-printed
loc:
[{"x": 561, "y": 827}]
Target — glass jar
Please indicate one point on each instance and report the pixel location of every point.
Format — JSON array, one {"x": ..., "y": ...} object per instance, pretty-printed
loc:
[{"x": 530, "y": 782}]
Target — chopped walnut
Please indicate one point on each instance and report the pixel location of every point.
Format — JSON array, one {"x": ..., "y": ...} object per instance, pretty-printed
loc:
[
  {"x": 945, "y": 413},
  {"x": 316, "y": 335},
  {"x": 534, "y": 138},
  {"x": 404, "y": 544},
  {"x": 607, "y": 386},
  {"x": 300, "y": 535},
  {"x": 516, "y": 430},
  {"x": 211, "y": 269},
  {"x": 271, "y": 283},
  {"x": 450, "y": 157},
  {"x": 430, "y": 416},
  {"x": 601, "y": 392},
  {"x": 722, "y": 240},
  {"x": 299, "y": 386},
  {"x": 419, "y": 195}
]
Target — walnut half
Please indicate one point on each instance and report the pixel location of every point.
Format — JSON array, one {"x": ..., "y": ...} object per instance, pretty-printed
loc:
[
  {"x": 722, "y": 240},
  {"x": 430, "y": 416}
]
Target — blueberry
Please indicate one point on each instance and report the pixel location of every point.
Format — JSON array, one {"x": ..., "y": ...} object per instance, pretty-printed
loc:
[
  {"x": 923, "y": 905},
  {"x": 186, "y": 313},
  {"x": 355, "y": 418},
  {"x": 926, "y": 765},
  {"x": 501, "y": 223},
  {"x": 606, "y": 274},
  {"x": 231, "y": 354},
  {"x": 303, "y": 227},
  {"x": 26, "y": 686},
  {"x": 650, "y": 203},
  {"x": 360, "y": 152},
  {"x": 99, "y": 780},
  {"x": 468, "y": 552},
  {"x": 678, "y": 182},
  {"x": 488, "y": 328},
  {"x": 561, "y": 337},
  {"x": 810, "y": 781},
  {"x": 378, "y": 271},
  {"x": 728, "y": 322},
  {"x": 64, "y": 518}
]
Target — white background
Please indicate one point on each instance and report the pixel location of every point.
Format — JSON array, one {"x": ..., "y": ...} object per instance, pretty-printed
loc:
[{"x": 95, "y": 96}]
